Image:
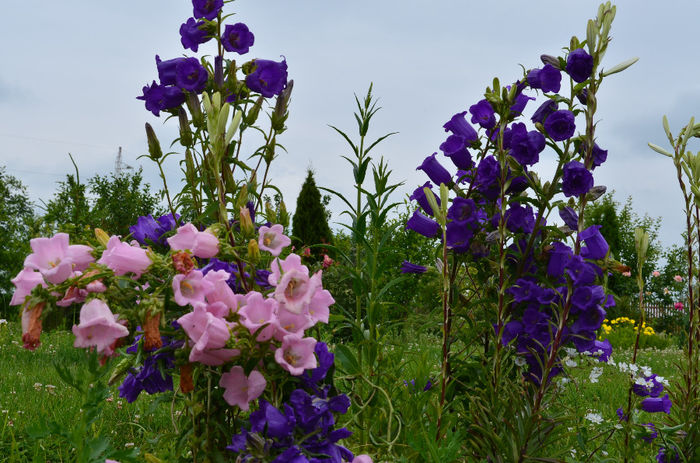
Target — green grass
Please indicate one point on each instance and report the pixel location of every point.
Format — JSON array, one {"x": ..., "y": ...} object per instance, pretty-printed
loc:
[{"x": 31, "y": 392}]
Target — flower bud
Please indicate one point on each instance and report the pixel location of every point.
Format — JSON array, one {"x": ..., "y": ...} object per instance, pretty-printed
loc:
[
  {"x": 218, "y": 72},
  {"x": 185, "y": 132},
  {"x": 246, "y": 222},
  {"x": 101, "y": 236},
  {"x": 270, "y": 213},
  {"x": 253, "y": 251},
  {"x": 153, "y": 143},
  {"x": 551, "y": 60},
  {"x": 279, "y": 115},
  {"x": 270, "y": 150},
  {"x": 195, "y": 109},
  {"x": 252, "y": 115}
]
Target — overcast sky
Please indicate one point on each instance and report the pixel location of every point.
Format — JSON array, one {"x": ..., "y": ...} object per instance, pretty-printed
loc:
[{"x": 72, "y": 69}]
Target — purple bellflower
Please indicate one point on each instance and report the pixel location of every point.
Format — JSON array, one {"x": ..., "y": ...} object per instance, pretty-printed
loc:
[
  {"x": 269, "y": 77},
  {"x": 193, "y": 34},
  {"x": 208, "y": 9},
  {"x": 237, "y": 38},
  {"x": 435, "y": 171},
  {"x": 458, "y": 125},
  {"x": 560, "y": 125},
  {"x": 576, "y": 179},
  {"x": 483, "y": 114}
]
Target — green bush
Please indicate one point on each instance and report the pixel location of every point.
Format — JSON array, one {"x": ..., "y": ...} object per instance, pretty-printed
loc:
[{"x": 622, "y": 333}]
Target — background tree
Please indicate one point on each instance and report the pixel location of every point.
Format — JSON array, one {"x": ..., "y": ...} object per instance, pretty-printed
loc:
[
  {"x": 16, "y": 219},
  {"x": 617, "y": 226},
  {"x": 310, "y": 222}
]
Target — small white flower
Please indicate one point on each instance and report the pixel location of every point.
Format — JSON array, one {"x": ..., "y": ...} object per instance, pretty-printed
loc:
[
  {"x": 520, "y": 361},
  {"x": 570, "y": 351},
  {"x": 639, "y": 381},
  {"x": 662, "y": 380},
  {"x": 646, "y": 371},
  {"x": 634, "y": 368},
  {"x": 595, "y": 418},
  {"x": 129, "y": 445},
  {"x": 569, "y": 362},
  {"x": 595, "y": 374},
  {"x": 3, "y": 321}
]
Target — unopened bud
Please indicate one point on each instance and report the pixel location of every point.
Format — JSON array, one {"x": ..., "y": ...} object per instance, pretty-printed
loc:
[
  {"x": 151, "y": 330},
  {"x": 270, "y": 150},
  {"x": 219, "y": 71},
  {"x": 253, "y": 251},
  {"x": 101, "y": 236},
  {"x": 246, "y": 222},
  {"x": 551, "y": 60},
  {"x": 195, "y": 109},
  {"x": 185, "y": 132},
  {"x": 252, "y": 115},
  {"x": 153, "y": 143},
  {"x": 279, "y": 115}
]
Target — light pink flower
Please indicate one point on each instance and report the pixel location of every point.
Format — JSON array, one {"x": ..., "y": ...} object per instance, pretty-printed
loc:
[
  {"x": 257, "y": 312},
  {"x": 678, "y": 278},
  {"x": 272, "y": 239},
  {"x": 81, "y": 256},
  {"x": 191, "y": 288},
  {"x": 627, "y": 274},
  {"x": 278, "y": 267},
  {"x": 221, "y": 291},
  {"x": 362, "y": 459},
  {"x": 296, "y": 354},
  {"x": 98, "y": 327},
  {"x": 241, "y": 390},
  {"x": 291, "y": 323},
  {"x": 25, "y": 281},
  {"x": 202, "y": 244},
  {"x": 123, "y": 258},
  {"x": 50, "y": 257},
  {"x": 319, "y": 305},
  {"x": 209, "y": 335},
  {"x": 655, "y": 273}
]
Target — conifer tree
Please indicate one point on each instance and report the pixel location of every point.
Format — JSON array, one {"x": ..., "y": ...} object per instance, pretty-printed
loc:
[{"x": 309, "y": 224}]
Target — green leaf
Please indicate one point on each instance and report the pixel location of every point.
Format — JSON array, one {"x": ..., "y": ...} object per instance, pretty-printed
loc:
[
  {"x": 347, "y": 139},
  {"x": 347, "y": 360}
]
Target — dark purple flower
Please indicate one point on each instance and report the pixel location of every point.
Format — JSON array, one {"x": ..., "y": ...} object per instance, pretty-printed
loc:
[
  {"x": 604, "y": 348},
  {"x": 581, "y": 272},
  {"x": 419, "y": 196},
  {"x": 190, "y": 75},
  {"x": 237, "y": 38},
  {"x": 488, "y": 173},
  {"x": 269, "y": 418},
  {"x": 459, "y": 236},
  {"x": 148, "y": 230},
  {"x": 423, "y": 225},
  {"x": 208, "y": 9},
  {"x": 407, "y": 267},
  {"x": 519, "y": 104},
  {"x": 586, "y": 297},
  {"x": 520, "y": 218},
  {"x": 653, "y": 390},
  {"x": 435, "y": 171},
  {"x": 458, "y": 125},
  {"x": 463, "y": 210},
  {"x": 193, "y": 34},
  {"x": 596, "y": 247},
  {"x": 548, "y": 79},
  {"x": 657, "y": 404},
  {"x": 262, "y": 278},
  {"x": 455, "y": 148},
  {"x": 579, "y": 65},
  {"x": 525, "y": 290},
  {"x": 599, "y": 155},
  {"x": 545, "y": 109},
  {"x": 269, "y": 77},
  {"x": 525, "y": 146},
  {"x": 560, "y": 125},
  {"x": 559, "y": 258},
  {"x": 665, "y": 457},
  {"x": 483, "y": 114},
  {"x": 576, "y": 179},
  {"x": 589, "y": 320},
  {"x": 161, "y": 97},
  {"x": 569, "y": 216},
  {"x": 152, "y": 377},
  {"x": 326, "y": 360},
  {"x": 167, "y": 70},
  {"x": 621, "y": 414}
]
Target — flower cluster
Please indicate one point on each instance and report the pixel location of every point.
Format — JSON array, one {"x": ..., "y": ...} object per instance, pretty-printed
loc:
[
  {"x": 186, "y": 77},
  {"x": 608, "y": 326},
  {"x": 492, "y": 175},
  {"x": 301, "y": 429}
]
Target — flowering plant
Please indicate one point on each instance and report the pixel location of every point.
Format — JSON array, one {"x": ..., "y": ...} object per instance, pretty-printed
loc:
[{"x": 207, "y": 297}]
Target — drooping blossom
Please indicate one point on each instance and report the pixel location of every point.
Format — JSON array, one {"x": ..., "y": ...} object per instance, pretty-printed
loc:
[
  {"x": 209, "y": 335},
  {"x": 435, "y": 171},
  {"x": 98, "y": 327},
  {"x": 258, "y": 312},
  {"x": 483, "y": 114},
  {"x": 161, "y": 97},
  {"x": 657, "y": 404},
  {"x": 240, "y": 389},
  {"x": 201, "y": 243},
  {"x": 458, "y": 125},
  {"x": 190, "y": 75},
  {"x": 596, "y": 247},
  {"x": 272, "y": 239},
  {"x": 547, "y": 79},
  {"x": 422, "y": 225},
  {"x": 408, "y": 267},
  {"x": 31, "y": 325},
  {"x": 55, "y": 259},
  {"x": 296, "y": 354},
  {"x": 122, "y": 258}
]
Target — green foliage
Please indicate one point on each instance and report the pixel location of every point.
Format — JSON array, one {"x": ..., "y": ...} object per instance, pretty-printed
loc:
[
  {"x": 16, "y": 220},
  {"x": 617, "y": 227},
  {"x": 309, "y": 224},
  {"x": 112, "y": 203}
]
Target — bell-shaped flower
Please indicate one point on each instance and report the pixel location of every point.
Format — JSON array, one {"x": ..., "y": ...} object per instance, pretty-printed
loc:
[
  {"x": 25, "y": 281},
  {"x": 240, "y": 389},
  {"x": 422, "y": 225},
  {"x": 296, "y": 354},
  {"x": 657, "y": 404},
  {"x": 287, "y": 322},
  {"x": 98, "y": 327},
  {"x": 435, "y": 171},
  {"x": 257, "y": 312},
  {"x": 295, "y": 290},
  {"x": 278, "y": 267},
  {"x": 272, "y": 239},
  {"x": 191, "y": 288},
  {"x": 319, "y": 307},
  {"x": 596, "y": 247},
  {"x": 122, "y": 258},
  {"x": 209, "y": 335},
  {"x": 458, "y": 125},
  {"x": 50, "y": 257},
  {"x": 201, "y": 244}
]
